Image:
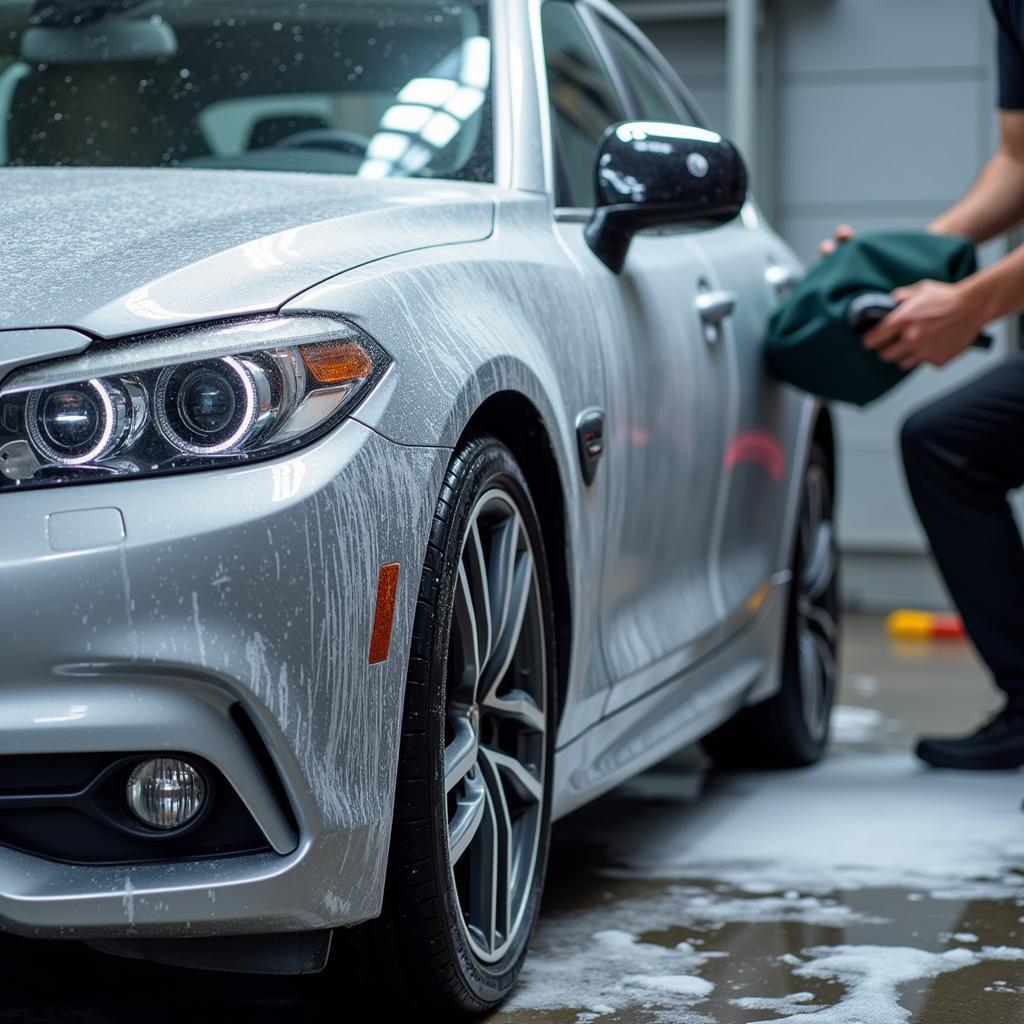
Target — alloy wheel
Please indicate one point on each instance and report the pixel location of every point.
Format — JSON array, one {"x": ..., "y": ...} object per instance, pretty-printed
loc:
[
  {"x": 495, "y": 726},
  {"x": 817, "y": 633}
]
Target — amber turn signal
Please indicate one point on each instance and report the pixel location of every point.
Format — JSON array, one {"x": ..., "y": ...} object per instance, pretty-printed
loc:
[{"x": 336, "y": 362}]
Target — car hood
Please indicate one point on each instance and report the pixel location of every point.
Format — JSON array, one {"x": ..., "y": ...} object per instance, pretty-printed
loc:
[{"x": 116, "y": 252}]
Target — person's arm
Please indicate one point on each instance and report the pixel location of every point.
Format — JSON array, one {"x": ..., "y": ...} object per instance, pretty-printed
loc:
[
  {"x": 936, "y": 322},
  {"x": 995, "y": 203}
]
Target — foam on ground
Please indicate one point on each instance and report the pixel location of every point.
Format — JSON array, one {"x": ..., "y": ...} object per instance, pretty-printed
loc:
[
  {"x": 873, "y": 976},
  {"x": 857, "y": 821},
  {"x": 603, "y": 972}
]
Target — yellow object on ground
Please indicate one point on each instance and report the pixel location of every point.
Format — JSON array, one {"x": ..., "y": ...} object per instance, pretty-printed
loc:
[{"x": 916, "y": 625}]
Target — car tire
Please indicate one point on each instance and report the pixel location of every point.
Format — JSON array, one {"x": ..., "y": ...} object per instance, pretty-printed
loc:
[
  {"x": 473, "y": 798},
  {"x": 791, "y": 729}
]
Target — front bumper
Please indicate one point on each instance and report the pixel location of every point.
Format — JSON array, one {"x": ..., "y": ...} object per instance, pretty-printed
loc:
[{"x": 253, "y": 586}]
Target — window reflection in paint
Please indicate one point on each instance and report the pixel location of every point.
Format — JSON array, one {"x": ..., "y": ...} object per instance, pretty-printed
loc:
[{"x": 73, "y": 713}]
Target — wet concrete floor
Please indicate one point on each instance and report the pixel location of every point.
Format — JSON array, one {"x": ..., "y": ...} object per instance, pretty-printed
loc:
[{"x": 865, "y": 891}]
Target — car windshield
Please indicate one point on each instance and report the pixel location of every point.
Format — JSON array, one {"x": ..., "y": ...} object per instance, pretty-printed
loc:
[{"x": 375, "y": 89}]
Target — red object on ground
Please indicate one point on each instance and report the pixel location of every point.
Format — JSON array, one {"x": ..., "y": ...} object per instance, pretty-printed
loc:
[{"x": 948, "y": 626}]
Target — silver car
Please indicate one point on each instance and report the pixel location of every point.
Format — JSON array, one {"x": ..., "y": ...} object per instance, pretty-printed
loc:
[{"x": 388, "y": 468}]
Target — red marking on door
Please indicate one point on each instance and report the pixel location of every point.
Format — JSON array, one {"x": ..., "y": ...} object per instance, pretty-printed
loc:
[{"x": 760, "y": 448}]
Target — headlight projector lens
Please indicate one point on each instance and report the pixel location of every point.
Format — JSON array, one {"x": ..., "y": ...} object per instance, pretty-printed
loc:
[
  {"x": 206, "y": 402},
  {"x": 77, "y": 424},
  {"x": 166, "y": 793},
  {"x": 210, "y": 407},
  {"x": 71, "y": 419}
]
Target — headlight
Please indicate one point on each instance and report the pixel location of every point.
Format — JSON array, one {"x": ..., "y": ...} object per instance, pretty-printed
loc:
[{"x": 207, "y": 396}]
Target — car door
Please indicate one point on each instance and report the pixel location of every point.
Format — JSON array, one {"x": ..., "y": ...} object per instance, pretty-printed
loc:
[
  {"x": 746, "y": 265},
  {"x": 665, "y": 435},
  {"x": 746, "y": 260}
]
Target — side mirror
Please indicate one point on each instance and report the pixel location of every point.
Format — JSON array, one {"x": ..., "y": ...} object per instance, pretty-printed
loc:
[{"x": 655, "y": 175}]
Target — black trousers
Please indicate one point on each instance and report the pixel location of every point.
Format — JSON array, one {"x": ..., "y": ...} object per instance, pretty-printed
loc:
[{"x": 962, "y": 456}]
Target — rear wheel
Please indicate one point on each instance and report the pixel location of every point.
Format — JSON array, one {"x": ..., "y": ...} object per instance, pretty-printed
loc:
[
  {"x": 791, "y": 729},
  {"x": 470, "y": 838}
]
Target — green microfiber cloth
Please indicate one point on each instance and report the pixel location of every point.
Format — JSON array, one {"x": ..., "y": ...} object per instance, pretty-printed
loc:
[{"x": 810, "y": 344}]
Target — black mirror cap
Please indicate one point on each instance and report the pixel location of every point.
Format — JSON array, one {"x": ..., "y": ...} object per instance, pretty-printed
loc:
[{"x": 651, "y": 174}]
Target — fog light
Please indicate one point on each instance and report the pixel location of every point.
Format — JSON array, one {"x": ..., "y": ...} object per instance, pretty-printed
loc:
[{"x": 166, "y": 793}]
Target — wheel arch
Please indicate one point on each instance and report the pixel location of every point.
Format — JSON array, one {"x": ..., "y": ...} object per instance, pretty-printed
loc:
[
  {"x": 824, "y": 434},
  {"x": 515, "y": 421}
]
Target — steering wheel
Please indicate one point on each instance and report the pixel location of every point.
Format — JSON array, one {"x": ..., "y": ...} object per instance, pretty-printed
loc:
[{"x": 335, "y": 139}]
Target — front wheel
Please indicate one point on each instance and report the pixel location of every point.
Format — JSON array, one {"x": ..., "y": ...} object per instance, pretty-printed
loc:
[
  {"x": 472, "y": 808},
  {"x": 791, "y": 729}
]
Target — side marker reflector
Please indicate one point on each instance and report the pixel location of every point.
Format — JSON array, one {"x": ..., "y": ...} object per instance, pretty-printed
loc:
[{"x": 384, "y": 617}]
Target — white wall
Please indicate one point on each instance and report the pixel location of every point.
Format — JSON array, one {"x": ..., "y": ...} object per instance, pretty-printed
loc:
[{"x": 877, "y": 112}]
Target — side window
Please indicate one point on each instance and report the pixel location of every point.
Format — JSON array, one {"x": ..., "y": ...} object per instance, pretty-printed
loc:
[
  {"x": 584, "y": 101},
  {"x": 654, "y": 98}
]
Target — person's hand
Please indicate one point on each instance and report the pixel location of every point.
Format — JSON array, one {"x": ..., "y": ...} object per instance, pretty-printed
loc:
[
  {"x": 933, "y": 323},
  {"x": 843, "y": 233}
]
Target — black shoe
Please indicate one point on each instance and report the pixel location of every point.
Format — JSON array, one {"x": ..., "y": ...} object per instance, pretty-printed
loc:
[{"x": 998, "y": 745}]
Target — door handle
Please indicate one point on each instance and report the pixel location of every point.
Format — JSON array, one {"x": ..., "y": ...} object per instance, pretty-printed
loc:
[
  {"x": 781, "y": 278},
  {"x": 716, "y": 307}
]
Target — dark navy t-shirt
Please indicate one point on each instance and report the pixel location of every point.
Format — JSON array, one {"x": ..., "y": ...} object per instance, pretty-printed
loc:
[{"x": 1010, "y": 15}]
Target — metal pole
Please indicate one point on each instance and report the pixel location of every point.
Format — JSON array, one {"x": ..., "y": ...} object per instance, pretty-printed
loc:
[{"x": 742, "y": 29}]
